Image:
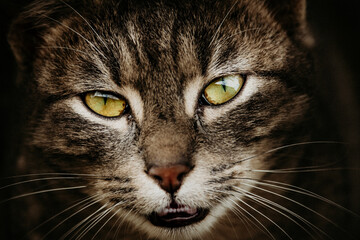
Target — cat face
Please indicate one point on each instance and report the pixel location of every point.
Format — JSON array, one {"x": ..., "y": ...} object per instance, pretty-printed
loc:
[{"x": 138, "y": 99}]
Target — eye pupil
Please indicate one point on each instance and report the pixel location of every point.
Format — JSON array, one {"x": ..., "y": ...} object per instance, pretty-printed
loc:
[{"x": 223, "y": 85}]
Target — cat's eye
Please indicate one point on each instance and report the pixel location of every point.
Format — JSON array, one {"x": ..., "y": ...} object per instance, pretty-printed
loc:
[
  {"x": 105, "y": 104},
  {"x": 223, "y": 89}
]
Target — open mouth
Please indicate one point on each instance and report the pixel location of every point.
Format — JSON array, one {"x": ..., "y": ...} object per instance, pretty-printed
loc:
[{"x": 177, "y": 215}]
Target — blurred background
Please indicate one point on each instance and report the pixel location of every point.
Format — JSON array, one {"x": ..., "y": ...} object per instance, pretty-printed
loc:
[{"x": 336, "y": 29}]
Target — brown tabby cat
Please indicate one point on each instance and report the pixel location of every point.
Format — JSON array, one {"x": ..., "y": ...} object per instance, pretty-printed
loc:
[{"x": 164, "y": 119}]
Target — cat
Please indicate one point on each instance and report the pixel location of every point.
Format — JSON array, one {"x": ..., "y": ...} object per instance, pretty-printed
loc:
[{"x": 173, "y": 120}]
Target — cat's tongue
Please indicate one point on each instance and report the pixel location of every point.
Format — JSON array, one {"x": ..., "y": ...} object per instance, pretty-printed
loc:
[{"x": 176, "y": 215}]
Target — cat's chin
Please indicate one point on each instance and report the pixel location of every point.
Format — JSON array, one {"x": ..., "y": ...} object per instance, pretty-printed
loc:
[{"x": 175, "y": 215}]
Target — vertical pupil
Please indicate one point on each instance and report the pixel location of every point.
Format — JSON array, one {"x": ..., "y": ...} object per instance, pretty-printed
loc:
[
  {"x": 223, "y": 85},
  {"x": 105, "y": 100}
]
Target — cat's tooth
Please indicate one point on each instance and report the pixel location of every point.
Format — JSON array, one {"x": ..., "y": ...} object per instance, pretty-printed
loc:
[
  {"x": 191, "y": 211},
  {"x": 163, "y": 212},
  {"x": 185, "y": 209}
]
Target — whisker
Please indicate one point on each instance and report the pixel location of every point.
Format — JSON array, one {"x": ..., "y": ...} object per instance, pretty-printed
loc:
[
  {"x": 263, "y": 229},
  {"x": 296, "y": 189},
  {"x": 94, "y": 222},
  {"x": 266, "y": 232},
  {"x": 96, "y": 200},
  {"x": 288, "y": 146},
  {"x": 222, "y": 22},
  {"x": 42, "y": 191},
  {"x": 81, "y": 203},
  {"x": 265, "y": 202},
  {"x": 266, "y": 217},
  {"x": 302, "y": 205},
  {"x": 232, "y": 225},
  {"x": 80, "y": 35},
  {"x": 54, "y": 174},
  {"x": 123, "y": 219},
  {"x": 300, "y": 170},
  {"x": 115, "y": 224},
  {"x": 292, "y": 200},
  {"x": 242, "y": 217},
  {"x": 116, "y": 212},
  {"x": 323, "y": 166},
  {"x": 92, "y": 29},
  {"x": 39, "y": 179},
  {"x": 82, "y": 221}
]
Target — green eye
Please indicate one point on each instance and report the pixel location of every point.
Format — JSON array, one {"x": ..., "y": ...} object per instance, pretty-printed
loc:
[
  {"x": 105, "y": 104},
  {"x": 223, "y": 89}
]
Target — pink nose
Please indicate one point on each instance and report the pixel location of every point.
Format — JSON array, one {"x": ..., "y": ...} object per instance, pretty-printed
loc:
[{"x": 170, "y": 178}]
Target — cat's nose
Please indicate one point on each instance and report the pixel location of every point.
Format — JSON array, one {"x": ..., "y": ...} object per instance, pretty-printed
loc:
[{"x": 169, "y": 178}]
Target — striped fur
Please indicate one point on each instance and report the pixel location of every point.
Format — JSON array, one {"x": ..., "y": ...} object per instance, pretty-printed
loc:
[{"x": 159, "y": 55}]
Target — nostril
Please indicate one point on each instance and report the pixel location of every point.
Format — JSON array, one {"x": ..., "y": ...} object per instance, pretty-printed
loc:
[
  {"x": 181, "y": 176},
  {"x": 158, "y": 178},
  {"x": 169, "y": 178}
]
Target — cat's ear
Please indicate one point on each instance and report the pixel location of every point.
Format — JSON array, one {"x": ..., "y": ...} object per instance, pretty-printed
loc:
[
  {"x": 291, "y": 14},
  {"x": 27, "y": 31},
  {"x": 23, "y": 39}
]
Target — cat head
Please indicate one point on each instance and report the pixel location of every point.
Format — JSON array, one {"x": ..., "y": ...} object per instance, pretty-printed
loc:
[{"x": 172, "y": 105}]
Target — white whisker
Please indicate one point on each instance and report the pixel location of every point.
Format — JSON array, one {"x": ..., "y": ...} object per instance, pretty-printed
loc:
[
  {"x": 292, "y": 200},
  {"x": 79, "y": 34},
  {"x": 42, "y": 191},
  {"x": 116, "y": 212},
  {"x": 94, "y": 222},
  {"x": 82, "y": 221},
  {"x": 54, "y": 174},
  {"x": 39, "y": 179},
  {"x": 69, "y": 217},
  {"x": 253, "y": 217},
  {"x": 324, "y": 166},
  {"x": 299, "y": 204},
  {"x": 123, "y": 219},
  {"x": 299, "y": 171},
  {"x": 82, "y": 203},
  {"x": 265, "y": 202},
  {"x": 98, "y": 36},
  {"x": 293, "y": 188},
  {"x": 288, "y": 146},
  {"x": 221, "y": 24},
  {"x": 244, "y": 219},
  {"x": 266, "y": 217},
  {"x": 115, "y": 224}
]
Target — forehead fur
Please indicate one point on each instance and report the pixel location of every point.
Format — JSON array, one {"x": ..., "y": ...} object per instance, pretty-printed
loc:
[
  {"x": 136, "y": 39},
  {"x": 156, "y": 47}
]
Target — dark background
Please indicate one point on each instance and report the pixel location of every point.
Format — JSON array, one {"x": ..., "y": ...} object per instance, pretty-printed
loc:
[{"x": 336, "y": 28}]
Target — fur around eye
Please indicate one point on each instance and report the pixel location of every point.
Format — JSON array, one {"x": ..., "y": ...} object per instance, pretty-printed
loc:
[
  {"x": 223, "y": 89},
  {"x": 105, "y": 104}
]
